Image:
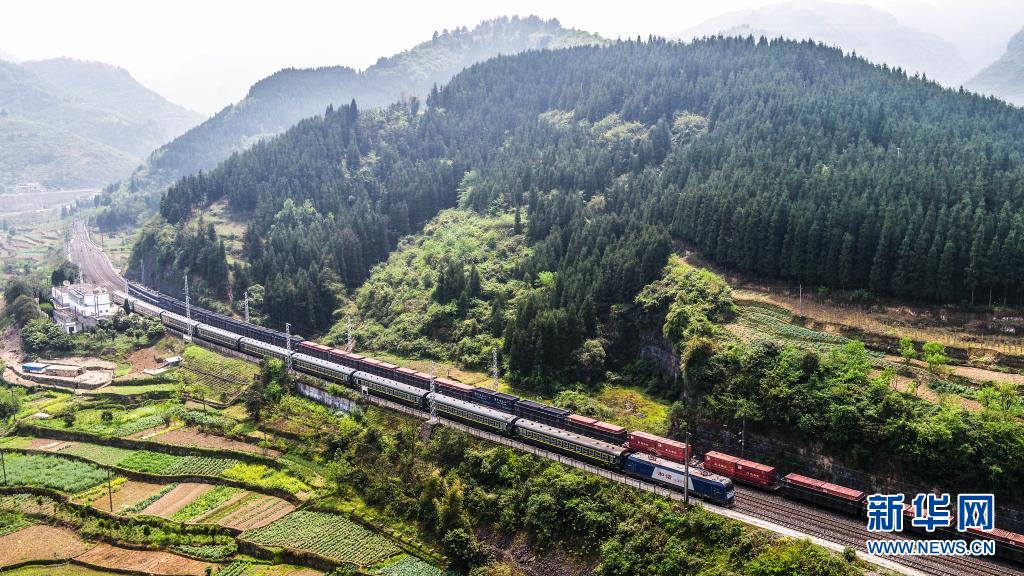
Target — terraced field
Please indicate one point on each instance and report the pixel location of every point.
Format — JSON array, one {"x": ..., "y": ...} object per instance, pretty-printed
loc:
[{"x": 329, "y": 535}]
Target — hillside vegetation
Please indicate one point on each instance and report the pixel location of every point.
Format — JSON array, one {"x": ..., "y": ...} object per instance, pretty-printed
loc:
[
  {"x": 277, "y": 102},
  {"x": 76, "y": 123},
  {"x": 782, "y": 159}
]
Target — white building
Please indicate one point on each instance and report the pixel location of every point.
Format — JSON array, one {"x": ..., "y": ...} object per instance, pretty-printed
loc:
[{"x": 79, "y": 307}]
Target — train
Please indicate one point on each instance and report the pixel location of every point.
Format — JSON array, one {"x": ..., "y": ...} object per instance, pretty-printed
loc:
[
  {"x": 638, "y": 454},
  {"x": 598, "y": 443}
]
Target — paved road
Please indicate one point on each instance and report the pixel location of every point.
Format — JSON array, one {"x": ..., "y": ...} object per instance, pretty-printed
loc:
[{"x": 96, "y": 267}]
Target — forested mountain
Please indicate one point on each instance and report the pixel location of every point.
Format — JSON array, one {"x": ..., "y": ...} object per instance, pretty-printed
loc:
[
  {"x": 73, "y": 123},
  {"x": 279, "y": 101},
  {"x": 870, "y": 32},
  {"x": 783, "y": 159},
  {"x": 1005, "y": 77}
]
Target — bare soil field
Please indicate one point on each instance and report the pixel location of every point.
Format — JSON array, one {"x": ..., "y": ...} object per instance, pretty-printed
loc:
[
  {"x": 127, "y": 494},
  {"x": 38, "y": 542},
  {"x": 250, "y": 511},
  {"x": 181, "y": 496},
  {"x": 48, "y": 444},
  {"x": 194, "y": 437},
  {"x": 145, "y": 561}
]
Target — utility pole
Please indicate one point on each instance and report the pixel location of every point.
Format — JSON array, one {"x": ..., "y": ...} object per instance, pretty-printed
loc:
[
  {"x": 494, "y": 366},
  {"x": 288, "y": 344},
  {"x": 188, "y": 309},
  {"x": 686, "y": 472},
  {"x": 801, "y": 308},
  {"x": 433, "y": 399},
  {"x": 743, "y": 437},
  {"x": 110, "y": 492},
  {"x": 246, "y": 304},
  {"x": 4, "y": 465}
]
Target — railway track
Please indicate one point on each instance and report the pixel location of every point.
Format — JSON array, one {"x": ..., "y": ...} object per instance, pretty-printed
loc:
[
  {"x": 851, "y": 532},
  {"x": 797, "y": 517}
]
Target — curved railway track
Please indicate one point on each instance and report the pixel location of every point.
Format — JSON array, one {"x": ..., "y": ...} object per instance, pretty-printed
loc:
[{"x": 799, "y": 517}]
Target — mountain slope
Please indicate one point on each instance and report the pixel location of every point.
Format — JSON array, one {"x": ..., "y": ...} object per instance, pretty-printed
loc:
[
  {"x": 782, "y": 159},
  {"x": 871, "y": 33},
  {"x": 1005, "y": 77},
  {"x": 107, "y": 118},
  {"x": 109, "y": 88},
  {"x": 279, "y": 101}
]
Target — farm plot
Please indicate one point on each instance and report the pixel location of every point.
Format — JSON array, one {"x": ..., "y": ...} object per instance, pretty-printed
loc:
[
  {"x": 408, "y": 566},
  {"x": 144, "y": 561},
  {"x": 127, "y": 495},
  {"x": 52, "y": 472},
  {"x": 245, "y": 568},
  {"x": 39, "y": 542},
  {"x": 329, "y": 535},
  {"x": 149, "y": 461},
  {"x": 176, "y": 499},
  {"x": 251, "y": 511},
  {"x": 206, "y": 503},
  {"x": 61, "y": 569},
  {"x": 192, "y": 437}
]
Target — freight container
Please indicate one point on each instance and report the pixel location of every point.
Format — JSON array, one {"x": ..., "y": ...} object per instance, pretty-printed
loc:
[
  {"x": 454, "y": 389},
  {"x": 494, "y": 399},
  {"x": 611, "y": 432},
  {"x": 824, "y": 494},
  {"x": 542, "y": 413},
  {"x": 746, "y": 471},
  {"x": 662, "y": 447}
]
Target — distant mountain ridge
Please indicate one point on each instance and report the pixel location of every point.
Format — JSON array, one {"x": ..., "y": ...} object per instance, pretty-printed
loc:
[
  {"x": 874, "y": 34},
  {"x": 1005, "y": 77},
  {"x": 277, "y": 102},
  {"x": 71, "y": 123}
]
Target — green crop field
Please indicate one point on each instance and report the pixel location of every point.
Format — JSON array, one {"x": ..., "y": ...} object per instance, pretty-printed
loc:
[
  {"x": 329, "y": 535},
  {"x": 408, "y": 566},
  {"x": 206, "y": 503},
  {"x": 52, "y": 472}
]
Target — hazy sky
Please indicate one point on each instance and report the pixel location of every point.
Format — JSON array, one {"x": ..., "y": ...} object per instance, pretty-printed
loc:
[{"x": 205, "y": 54}]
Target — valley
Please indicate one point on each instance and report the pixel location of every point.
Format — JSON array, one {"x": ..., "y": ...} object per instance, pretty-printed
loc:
[{"x": 703, "y": 290}]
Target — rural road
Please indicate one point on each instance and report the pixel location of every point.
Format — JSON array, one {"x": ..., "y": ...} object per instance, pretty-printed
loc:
[{"x": 96, "y": 267}]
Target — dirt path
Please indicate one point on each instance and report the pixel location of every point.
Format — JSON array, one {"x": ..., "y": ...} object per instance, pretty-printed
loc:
[
  {"x": 38, "y": 542},
  {"x": 144, "y": 561},
  {"x": 181, "y": 496}
]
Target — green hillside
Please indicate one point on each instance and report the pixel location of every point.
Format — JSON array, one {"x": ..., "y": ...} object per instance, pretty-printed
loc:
[{"x": 277, "y": 102}]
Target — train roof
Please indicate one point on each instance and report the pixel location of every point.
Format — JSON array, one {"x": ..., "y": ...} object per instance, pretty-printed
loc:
[
  {"x": 220, "y": 331},
  {"x": 656, "y": 438},
  {"x": 544, "y": 407},
  {"x": 323, "y": 363},
  {"x": 265, "y": 346},
  {"x": 314, "y": 345},
  {"x": 570, "y": 437},
  {"x": 181, "y": 318},
  {"x": 446, "y": 383},
  {"x": 472, "y": 407},
  {"x": 822, "y": 486},
  {"x": 389, "y": 382},
  {"x": 681, "y": 468}
]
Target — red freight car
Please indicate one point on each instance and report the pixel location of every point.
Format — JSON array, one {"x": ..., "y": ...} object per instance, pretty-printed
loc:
[
  {"x": 591, "y": 428},
  {"x": 454, "y": 389},
  {"x": 746, "y": 471},
  {"x": 661, "y": 447}
]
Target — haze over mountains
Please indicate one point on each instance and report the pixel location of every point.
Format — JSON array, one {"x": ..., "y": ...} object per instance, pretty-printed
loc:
[
  {"x": 68, "y": 123},
  {"x": 279, "y": 101},
  {"x": 874, "y": 34},
  {"x": 1005, "y": 77}
]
